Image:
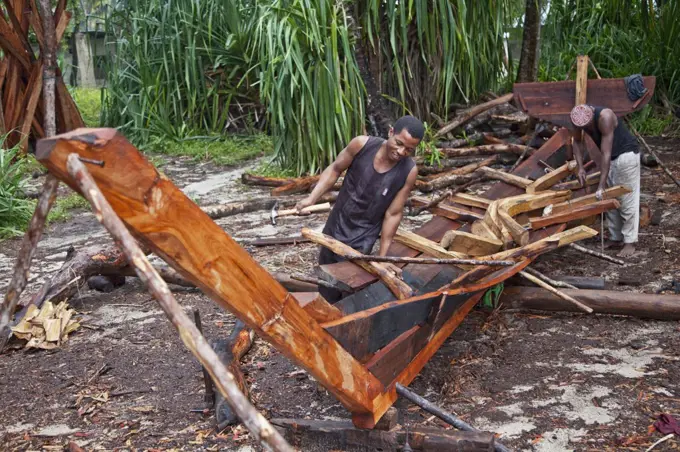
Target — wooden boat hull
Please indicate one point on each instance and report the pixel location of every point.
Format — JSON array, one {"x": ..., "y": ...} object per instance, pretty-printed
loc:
[{"x": 553, "y": 101}]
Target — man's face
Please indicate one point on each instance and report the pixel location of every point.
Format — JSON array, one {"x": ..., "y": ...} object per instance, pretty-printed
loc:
[{"x": 401, "y": 145}]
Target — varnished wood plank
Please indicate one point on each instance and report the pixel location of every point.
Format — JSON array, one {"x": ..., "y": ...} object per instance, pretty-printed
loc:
[
  {"x": 317, "y": 307},
  {"x": 576, "y": 213},
  {"x": 162, "y": 217},
  {"x": 553, "y": 177},
  {"x": 609, "y": 193},
  {"x": 470, "y": 244}
]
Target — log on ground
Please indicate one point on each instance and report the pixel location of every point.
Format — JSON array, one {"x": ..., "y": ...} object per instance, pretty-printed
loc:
[{"x": 647, "y": 306}]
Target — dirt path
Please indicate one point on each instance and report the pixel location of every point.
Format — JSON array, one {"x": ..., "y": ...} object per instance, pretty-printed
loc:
[{"x": 543, "y": 382}]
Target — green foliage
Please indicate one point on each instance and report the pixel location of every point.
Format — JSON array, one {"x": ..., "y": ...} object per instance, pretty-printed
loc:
[
  {"x": 224, "y": 150},
  {"x": 436, "y": 52},
  {"x": 89, "y": 102},
  {"x": 15, "y": 210},
  {"x": 61, "y": 210},
  {"x": 427, "y": 147},
  {"x": 621, "y": 37},
  {"x": 289, "y": 66}
]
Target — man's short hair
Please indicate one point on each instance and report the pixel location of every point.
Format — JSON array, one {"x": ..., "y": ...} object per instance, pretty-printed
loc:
[
  {"x": 581, "y": 115},
  {"x": 413, "y": 125}
]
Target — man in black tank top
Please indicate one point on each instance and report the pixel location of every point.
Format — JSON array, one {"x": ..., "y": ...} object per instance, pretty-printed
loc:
[
  {"x": 620, "y": 165},
  {"x": 380, "y": 176}
]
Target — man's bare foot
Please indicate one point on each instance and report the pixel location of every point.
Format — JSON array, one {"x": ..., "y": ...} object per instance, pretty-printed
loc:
[{"x": 627, "y": 251}]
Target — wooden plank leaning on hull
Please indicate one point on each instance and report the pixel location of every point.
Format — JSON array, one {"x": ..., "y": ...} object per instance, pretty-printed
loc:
[{"x": 172, "y": 226}]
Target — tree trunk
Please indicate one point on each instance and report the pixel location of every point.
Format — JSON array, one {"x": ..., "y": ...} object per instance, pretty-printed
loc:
[{"x": 528, "y": 61}]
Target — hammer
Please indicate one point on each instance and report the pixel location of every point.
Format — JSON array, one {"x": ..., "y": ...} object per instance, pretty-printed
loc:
[{"x": 325, "y": 207}]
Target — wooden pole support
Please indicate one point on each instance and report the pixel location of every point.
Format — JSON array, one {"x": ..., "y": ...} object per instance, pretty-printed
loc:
[
  {"x": 559, "y": 293},
  {"x": 261, "y": 429}
]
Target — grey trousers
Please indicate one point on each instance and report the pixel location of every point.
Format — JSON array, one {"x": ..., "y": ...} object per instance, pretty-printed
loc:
[{"x": 624, "y": 222}]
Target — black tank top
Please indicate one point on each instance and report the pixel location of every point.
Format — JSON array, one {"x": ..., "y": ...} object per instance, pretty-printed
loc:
[
  {"x": 624, "y": 141},
  {"x": 358, "y": 213}
]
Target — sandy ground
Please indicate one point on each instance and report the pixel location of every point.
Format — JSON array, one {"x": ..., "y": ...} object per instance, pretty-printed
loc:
[{"x": 542, "y": 382}]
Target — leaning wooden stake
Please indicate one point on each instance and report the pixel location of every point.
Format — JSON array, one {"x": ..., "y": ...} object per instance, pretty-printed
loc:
[
  {"x": 49, "y": 190},
  {"x": 559, "y": 293},
  {"x": 552, "y": 282},
  {"x": 644, "y": 143},
  {"x": 585, "y": 250},
  {"x": 431, "y": 260},
  {"x": 261, "y": 429}
]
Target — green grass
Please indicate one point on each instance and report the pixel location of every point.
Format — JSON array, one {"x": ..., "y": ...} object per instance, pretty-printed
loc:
[
  {"x": 223, "y": 150},
  {"x": 89, "y": 102},
  {"x": 15, "y": 211}
]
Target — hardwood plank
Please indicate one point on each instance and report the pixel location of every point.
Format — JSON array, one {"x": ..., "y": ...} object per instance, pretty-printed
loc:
[
  {"x": 317, "y": 307},
  {"x": 33, "y": 89},
  {"x": 424, "y": 245},
  {"x": 163, "y": 218},
  {"x": 447, "y": 210},
  {"x": 553, "y": 177},
  {"x": 591, "y": 179},
  {"x": 467, "y": 199},
  {"x": 470, "y": 244},
  {"x": 609, "y": 193},
  {"x": 576, "y": 213}
]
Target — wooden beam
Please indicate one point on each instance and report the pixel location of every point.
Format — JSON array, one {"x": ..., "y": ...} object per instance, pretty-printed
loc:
[
  {"x": 576, "y": 213},
  {"x": 481, "y": 228},
  {"x": 317, "y": 307},
  {"x": 591, "y": 179},
  {"x": 398, "y": 287},
  {"x": 511, "y": 179},
  {"x": 609, "y": 193},
  {"x": 175, "y": 228},
  {"x": 447, "y": 210},
  {"x": 553, "y": 177},
  {"x": 581, "y": 79},
  {"x": 470, "y": 244},
  {"x": 561, "y": 239},
  {"x": 517, "y": 231},
  {"x": 424, "y": 245},
  {"x": 643, "y": 305},
  {"x": 467, "y": 199}
]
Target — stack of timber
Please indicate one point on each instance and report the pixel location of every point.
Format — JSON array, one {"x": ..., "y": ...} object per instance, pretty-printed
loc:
[{"x": 21, "y": 75}]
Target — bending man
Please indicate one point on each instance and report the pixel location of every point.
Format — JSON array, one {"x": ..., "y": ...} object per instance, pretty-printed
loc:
[
  {"x": 620, "y": 165},
  {"x": 380, "y": 176}
]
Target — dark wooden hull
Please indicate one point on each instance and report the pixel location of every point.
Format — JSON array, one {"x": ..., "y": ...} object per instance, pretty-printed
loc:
[{"x": 553, "y": 101}]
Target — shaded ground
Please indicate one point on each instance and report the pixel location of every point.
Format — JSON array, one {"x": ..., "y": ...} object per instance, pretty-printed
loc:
[{"x": 543, "y": 382}]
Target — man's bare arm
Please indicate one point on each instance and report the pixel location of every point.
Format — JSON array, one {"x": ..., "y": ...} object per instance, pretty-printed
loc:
[
  {"x": 577, "y": 146},
  {"x": 395, "y": 212},
  {"x": 607, "y": 124},
  {"x": 331, "y": 174}
]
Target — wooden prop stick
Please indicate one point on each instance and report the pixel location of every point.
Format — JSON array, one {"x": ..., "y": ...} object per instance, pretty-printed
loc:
[
  {"x": 552, "y": 282},
  {"x": 431, "y": 260},
  {"x": 441, "y": 414},
  {"x": 511, "y": 179},
  {"x": 209, "y": 397},
  {"x": 560, "y": 294},
  {"x": 596, "y": 254},
  {"x": 49, "y": 190},
  {"x": 398, "y": 287},
  {"x": 261, "y": 429},
  {"x": 313, "y": 280},
  {"x": 656, "y": 156},
  {"x": 471, "y": 113}
]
